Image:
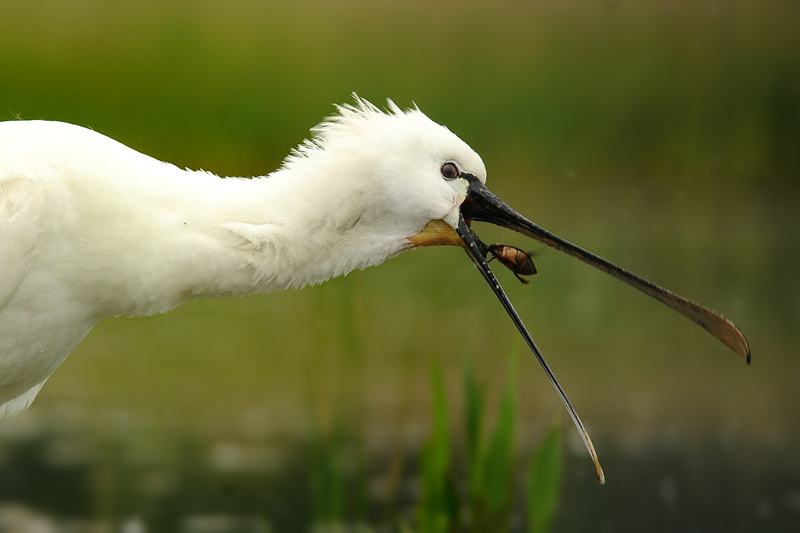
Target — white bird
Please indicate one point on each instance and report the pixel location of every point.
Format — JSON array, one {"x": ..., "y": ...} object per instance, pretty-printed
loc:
[{"x": 90, "y": 228}]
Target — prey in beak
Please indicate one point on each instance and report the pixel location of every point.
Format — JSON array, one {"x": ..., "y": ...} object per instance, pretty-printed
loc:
[{"x": 483, "y": 206}]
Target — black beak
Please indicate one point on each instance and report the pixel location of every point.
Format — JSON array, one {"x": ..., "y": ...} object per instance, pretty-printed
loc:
[{"x": 482, "y": 205}]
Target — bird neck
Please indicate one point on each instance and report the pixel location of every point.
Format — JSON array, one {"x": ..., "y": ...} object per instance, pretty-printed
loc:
[{"x": 192, "y": 234}]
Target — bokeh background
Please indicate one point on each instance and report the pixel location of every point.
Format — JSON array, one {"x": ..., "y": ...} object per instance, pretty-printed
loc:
[{"x": 663, "y": 135}]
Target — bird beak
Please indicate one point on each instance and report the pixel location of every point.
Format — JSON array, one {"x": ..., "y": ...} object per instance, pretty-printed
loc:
[
  {"x": 475, "y": 249},
  {"x": 482, "y": 205}
]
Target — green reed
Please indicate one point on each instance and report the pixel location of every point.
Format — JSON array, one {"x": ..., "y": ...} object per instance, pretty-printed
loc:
[{"x": 487, "y": 502}]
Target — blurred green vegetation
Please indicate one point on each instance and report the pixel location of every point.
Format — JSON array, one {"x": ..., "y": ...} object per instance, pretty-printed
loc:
[
  {"x": 488, "y": 500},
  {"x": 677, "y": 91},
  {"x": 662, "y": 135}
]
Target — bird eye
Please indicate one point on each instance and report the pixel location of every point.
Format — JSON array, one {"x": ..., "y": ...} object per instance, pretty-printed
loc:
[{"x": 449, "y": 171}]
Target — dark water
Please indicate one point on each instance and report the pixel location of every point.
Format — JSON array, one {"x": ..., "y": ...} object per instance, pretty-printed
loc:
[{"x": 76, "y": 482}]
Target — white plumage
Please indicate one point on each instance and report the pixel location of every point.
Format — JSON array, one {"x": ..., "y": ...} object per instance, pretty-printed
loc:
[{"x": 90, "y": 228}]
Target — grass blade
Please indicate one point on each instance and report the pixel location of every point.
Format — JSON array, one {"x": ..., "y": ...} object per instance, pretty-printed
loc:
[
  {"x": 473, "y": 425},
  {"x": 544, "y": 479},
  {"x": 500, "y": 453},
  {"x": 435, "y": 508}
]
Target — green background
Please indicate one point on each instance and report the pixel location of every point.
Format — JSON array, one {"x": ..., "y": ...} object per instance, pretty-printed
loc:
[{"x": 664, "y": 136}]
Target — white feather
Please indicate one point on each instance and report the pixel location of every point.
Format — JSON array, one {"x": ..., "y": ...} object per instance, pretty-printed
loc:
[{"x": 90, "y": 228}]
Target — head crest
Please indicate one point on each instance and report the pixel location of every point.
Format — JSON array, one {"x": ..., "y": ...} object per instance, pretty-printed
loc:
[{"x": 351, "y": 120}]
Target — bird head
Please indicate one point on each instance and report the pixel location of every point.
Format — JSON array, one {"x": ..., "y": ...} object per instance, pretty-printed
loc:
[
  {"x": 411, "y": 181},
  {"x": 400, "y": 174}
]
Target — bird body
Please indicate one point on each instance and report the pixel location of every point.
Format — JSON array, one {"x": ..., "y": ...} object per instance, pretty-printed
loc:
[{"x": 90, "y": 228}]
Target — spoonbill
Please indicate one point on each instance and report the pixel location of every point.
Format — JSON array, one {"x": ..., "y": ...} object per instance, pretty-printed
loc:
[{"x": 90, "y": 228}]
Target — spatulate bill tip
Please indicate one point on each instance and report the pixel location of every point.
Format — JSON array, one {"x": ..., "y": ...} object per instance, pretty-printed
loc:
[
  {"x": 598, "y": 470},
  {"x": 601, "y": 477},
  {"x": 740, "y": 345},
  {"x": 748, "y": 357}
]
